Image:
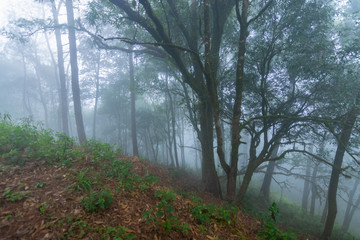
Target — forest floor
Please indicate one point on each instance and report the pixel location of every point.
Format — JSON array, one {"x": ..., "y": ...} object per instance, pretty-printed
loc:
[{"x": 147, "y": 201}]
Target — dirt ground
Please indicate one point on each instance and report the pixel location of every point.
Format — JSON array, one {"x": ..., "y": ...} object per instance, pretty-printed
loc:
[{"x": 39, "y": 201}]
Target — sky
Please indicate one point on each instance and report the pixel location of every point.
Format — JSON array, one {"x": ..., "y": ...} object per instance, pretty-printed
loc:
[{"x": 12, "y": 9}]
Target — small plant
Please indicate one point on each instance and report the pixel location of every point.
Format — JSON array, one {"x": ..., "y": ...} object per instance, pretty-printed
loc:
[
  {"x": 99, "y": 151},
  {"x": 82, "y": 182},
  {"x": 40, "y": 184},
  {"x": 43, "y": 208},
  {"x": 271, "y": 232},
  {"x": 77, "y": 227},
  {"x": 118, "y": 233},
  {"x": 97, "y": 200},
  {"x": 14, "y": 196},
  {"x": 164, "y": 215},
  {"x": 9, "y": 217}
]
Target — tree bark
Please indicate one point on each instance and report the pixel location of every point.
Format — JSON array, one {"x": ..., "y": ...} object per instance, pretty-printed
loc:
[
  {"x": 60, "y": 56},
  {"x": 209, "y": 174},
  {"x": 336, "y": 170},
  {"x": 306, "y": 189},
  {"x": 351, "y": 207},
  {"x": 313, "y": 189},
  {"x": 75, "y": 72},
  {"x": 173, "y": 123},
  {"x": 265, "y": 187},
  {"x": 324, "y": 213},
  {"x": 97, "y": 90},
  {"x": 132, "y": 103},
  {"x": 25, "y": 94}
]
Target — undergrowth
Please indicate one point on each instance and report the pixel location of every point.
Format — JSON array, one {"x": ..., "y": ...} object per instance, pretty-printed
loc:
[{"x": 290, "y": 217}]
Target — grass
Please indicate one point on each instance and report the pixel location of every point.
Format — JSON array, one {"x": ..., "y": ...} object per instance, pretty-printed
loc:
[{"x": 290, "y": 217}]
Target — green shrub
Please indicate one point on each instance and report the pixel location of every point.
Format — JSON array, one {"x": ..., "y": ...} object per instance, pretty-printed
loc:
[
  {"x": 99, "y": 151},
  {"x": 97, "y": 200},
  {"x": 271, "y": 232},
  {"x": 203, "y": 213},
  {"x": 15, "y": 196},
  {"x": 82, "y": 182},
  {"x": 164, "y": 213},
  {"x": 117, "y": 233}
]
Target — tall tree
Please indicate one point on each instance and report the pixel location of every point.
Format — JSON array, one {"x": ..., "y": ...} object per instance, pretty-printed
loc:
[
  {"x": 75, "y": 72},
  {"x": 343, "y": 141},
  {"x": 132, "y": 103},
  {"x": 60, "y": 64}
]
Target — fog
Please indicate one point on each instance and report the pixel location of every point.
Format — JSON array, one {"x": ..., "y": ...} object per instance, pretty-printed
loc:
[{"x": 219, "y": 95}]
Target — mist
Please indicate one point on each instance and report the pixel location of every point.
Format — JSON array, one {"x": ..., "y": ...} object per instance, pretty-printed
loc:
[{"x": 259, "y": 101}]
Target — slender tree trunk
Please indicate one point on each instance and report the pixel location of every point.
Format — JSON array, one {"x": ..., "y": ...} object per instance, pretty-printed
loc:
[
  {"x": 60, "y": 56},
  {"x": 168, "y": 133},
  {"x": 25, "y": 97},
  {"x": 324, "y": 213},
  {"x": 56, "y": 73},
  {"x": 182, "y": 142},
  {"x": 132, "y": 103},
  {"x": 42, "y": 98},
  {"x": 336, "y": 170},
  {"x": 97, "y": 86},
  {"x": 313, "y": 189},
  {"x": 348, "y": 218},
  {"x": 75, "y": 72},
  {"x": 246, "y": 180},
  {"x": 265, "y": 187},
  {"x": 306, "y": 189},
  {"x": 350, "y": 207},
  {"x": 173, "y": 122}
]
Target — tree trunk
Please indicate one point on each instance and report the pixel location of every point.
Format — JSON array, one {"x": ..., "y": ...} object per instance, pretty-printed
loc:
[
  {"x": 132, "y": 103},
  {"x": 336, "y": 170},
  {"x": 265, "y": 187},
  {"x": 168, "y": 132},
  {"x": 42, "y": 98},
  {"x": 306, "y": 189},
  {"x": 56, "y": 73},
  {"x": 348, "y": 218},
  {"x": 246, "y": 180},
  {"x": 97, "y": 90},
  {"x": 25, "y": 95},
  {"x": 350, "y": 207},
  {"x": 173, "y": 123},
  {"x": 313, "y": 189},
  {"x": 324, "y": 213},
  {"x": 75, "y": 73},
  {"x": 209, "y": 174},
  {"x": 63, "y": 91}
]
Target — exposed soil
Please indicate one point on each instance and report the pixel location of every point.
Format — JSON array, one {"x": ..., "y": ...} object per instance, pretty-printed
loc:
[{"x": 51, "y": 207}]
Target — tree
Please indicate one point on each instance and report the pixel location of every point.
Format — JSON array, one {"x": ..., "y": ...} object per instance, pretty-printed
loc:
[
  {"x": 60, "y": 64},
  {"x": 75, "y": 72},
  {"x": 132, "y": 103},
  {"x": 343, "y": 141}
]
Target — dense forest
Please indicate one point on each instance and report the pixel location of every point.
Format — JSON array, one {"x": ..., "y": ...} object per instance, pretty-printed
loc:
[{"x": 258, "y": 100}]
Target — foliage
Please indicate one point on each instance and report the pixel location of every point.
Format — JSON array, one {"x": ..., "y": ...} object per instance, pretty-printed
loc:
[
  {"x": 82, "y": 182},
  {"x": 96, "y": 201},
  {"x": 24, "y": 141},
  {"x": 100, "y": 151},
  {"x": 43, "y": 208},
  {"x": 15, "y": 196},
  {"x": 40, "y": 184},
  {"x": 203, "y": 213},
  {"x": 163, "y": 217},
  {"x": 271, "y": 232},
  {"x": 77, "y": 227},
  {"x": 117, "y": 233}
]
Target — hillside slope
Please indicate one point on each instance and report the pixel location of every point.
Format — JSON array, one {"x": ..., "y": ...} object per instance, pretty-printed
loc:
[{"x": 116, "y": 197}]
